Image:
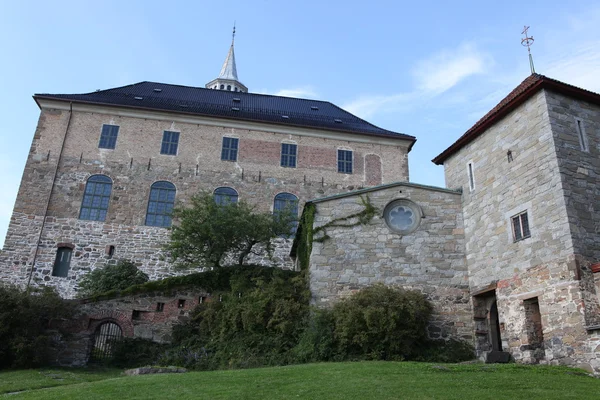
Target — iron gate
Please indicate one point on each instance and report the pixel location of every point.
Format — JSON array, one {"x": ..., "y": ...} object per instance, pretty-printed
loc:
[{"x": 105, "y": 336}]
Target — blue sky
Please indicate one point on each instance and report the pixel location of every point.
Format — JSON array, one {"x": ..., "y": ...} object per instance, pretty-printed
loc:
[{"x": 429, "y": 69}]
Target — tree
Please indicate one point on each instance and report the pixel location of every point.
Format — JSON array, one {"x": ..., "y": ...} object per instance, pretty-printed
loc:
[
  {"x": 25, "y": 319},
  {"x": 112, "y": 277},
  {"x": 206, "y": 232}
]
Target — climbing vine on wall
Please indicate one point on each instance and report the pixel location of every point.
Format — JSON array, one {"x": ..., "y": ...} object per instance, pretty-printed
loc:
[{"x": 308, "y": 234}]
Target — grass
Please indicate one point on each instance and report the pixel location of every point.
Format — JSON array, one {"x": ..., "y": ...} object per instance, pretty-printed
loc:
[
  {"x": 16, "y": 381},
  {"x": 360, "y": 380}
]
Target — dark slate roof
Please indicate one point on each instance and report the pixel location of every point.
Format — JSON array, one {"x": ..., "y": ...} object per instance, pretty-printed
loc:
[
  {"x": 223, "y": 104},
  {"x": 531, "y": 85}
]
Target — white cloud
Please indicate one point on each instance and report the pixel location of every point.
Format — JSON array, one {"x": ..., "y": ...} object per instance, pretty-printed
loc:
[
  {"x": 446, "y": 69},
  {"x": 303, "y": 92},
  {"x": 431, "y": 77}
]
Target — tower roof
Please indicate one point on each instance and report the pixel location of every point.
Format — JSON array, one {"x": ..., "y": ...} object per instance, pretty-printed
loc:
[
  {"x": 228, "y": 78},
  {"x": 531, "y": 85},
  {"x": 229, "y": 71}
]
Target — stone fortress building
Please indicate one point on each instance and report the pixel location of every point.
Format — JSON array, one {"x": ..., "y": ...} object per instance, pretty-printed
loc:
[{"x": 507, "y": 252}]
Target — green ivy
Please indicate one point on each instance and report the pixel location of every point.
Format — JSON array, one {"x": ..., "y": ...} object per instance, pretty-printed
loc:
[{"x": 308, "y": 234}]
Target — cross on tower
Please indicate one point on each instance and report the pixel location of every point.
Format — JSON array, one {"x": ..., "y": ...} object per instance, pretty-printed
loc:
[{"x": 527, "y": 41}]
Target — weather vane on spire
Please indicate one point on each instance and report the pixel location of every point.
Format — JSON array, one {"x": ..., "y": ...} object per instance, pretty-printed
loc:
[
  {"x": 528, "y": 41},
  {"x": 233, "y": 35}
]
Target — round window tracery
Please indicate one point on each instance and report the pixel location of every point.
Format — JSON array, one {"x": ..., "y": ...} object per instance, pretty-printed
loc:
[{"x": 402, "y": 216}]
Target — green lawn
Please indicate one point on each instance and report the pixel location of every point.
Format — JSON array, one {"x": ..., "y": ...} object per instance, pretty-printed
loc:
[{"x": 361, "y": 380}]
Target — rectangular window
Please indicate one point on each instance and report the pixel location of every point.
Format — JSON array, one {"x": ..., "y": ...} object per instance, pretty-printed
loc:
[
  {"x": 471, "y": 177},
  {"x": 345, "y": 161},
  {"x": 230, "y": 149},
  {"x": 181, "y": 303},
  {"x": 62, "y": 262},
  {"x": 520, "y": 224},
  {"x": 169, "y": 143},
  {"x": 583, "y": 143},
  {"x": 160, "y": 306},
  {"x": 108, "y": 137},
  {"x": 288, "y": 155}
]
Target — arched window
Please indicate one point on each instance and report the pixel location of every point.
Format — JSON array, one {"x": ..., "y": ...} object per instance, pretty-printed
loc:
[
  {"x": 228, "y": 87},
  {"x": 62, "y": 262},
  {"x": 286, "y": 202},
  {"x": 222, "y": 87},
  {"x": 225, "y": 195},
  {"x": 105, "y": 336},
  {"x": 95, "y": 198},
  {"x": 160, "y": 205}
]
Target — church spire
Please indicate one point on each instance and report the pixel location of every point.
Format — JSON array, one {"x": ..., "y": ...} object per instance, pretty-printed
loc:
[{"x": 228, "y": 79}]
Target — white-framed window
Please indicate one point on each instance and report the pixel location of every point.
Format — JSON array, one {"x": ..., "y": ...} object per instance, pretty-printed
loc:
[
  {"x": 344, "y": 161},
  {"x": 583, "y": 140},
  {"x": 520, "y": 226},
  {"x": 471, "y": 175}
]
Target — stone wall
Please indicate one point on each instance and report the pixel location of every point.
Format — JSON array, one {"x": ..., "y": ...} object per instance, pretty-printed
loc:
[
  {"x": 138, "y": 316},
  {"x": 136, "y": 163},
  {"x": 430, "y": 259},
  {"x": 549, "y": 270}
]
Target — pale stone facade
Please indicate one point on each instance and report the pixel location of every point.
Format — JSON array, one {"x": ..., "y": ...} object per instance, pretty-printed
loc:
[
  {"x": 66, "y": 144},
  {"x": 430, "y": 259},
  {"x": 536, "y": 297}
]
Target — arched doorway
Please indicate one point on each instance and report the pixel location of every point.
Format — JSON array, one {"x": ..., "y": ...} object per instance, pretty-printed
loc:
[
  {"x": 495, "y": 328},
  {"x": 106, "y": 334}
]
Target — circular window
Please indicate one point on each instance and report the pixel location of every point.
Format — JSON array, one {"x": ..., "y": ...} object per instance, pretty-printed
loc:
[{"x": 402, "y": 216}]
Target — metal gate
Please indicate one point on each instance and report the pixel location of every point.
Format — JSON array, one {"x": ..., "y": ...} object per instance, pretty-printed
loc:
[{"x": 105, "y": 336}]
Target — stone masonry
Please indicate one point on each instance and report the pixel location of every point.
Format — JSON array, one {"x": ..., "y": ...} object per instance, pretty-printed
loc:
[
  {"x": 430, "y": 259},
  {"x": 531, "y": 161},
  {"x": 66, "y": 143}
]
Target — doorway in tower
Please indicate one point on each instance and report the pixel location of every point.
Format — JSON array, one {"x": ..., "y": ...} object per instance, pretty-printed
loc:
[{"x": 488, "y": 331}]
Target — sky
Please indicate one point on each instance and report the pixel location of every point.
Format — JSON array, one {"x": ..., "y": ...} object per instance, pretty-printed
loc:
[{"x": 429, "y": 69}]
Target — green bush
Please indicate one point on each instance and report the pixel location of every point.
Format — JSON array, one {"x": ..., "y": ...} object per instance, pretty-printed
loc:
[
  {"x": 112, "y": 277},
  {"x": 380, "y": 323},
  {"x": 445, "y": 351},
  {"x": 25, "y": 341},
  {"x": 257, "y": 323},
  {"x": 135, "y": 352}
]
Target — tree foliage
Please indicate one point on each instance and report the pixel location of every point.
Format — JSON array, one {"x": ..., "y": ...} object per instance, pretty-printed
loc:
[
  {"x": 206, "y": 233},
  {"x": 381, "y": 323},
  {"x": 25, "y": 339},
  {"x": 112, "y": 277}
]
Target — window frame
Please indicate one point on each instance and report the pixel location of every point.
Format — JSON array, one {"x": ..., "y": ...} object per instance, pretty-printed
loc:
[
  {"x": 282, "y": 201},
  {"x": 520, "y": 226},
  {"x": 471, "y": 175},
  {"x": 230, "y": 152},
  {"x": 220, "y": 197},
  {"x": 288, "y": 157},
  {"x": 581, "y": 135},
  {"x": 85, "y": 211},
  {"x": 169, "y": 204},
  {"x": 60, "y": 268},
  {"x": 343, "y": 163},
  {"x": 108, "y": 136},
  {"x": 170, "y": 143}
]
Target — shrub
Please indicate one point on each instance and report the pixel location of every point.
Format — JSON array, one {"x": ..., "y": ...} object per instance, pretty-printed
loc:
[
  {"x": 258, "y": 328},
  {"x": 112, "y": 277},
  {"x": 135, "y": 352},
  {"x": 25, "y": 341},
  {"x": 445, "y": 351},
  {"x": 380, "y": 323}
]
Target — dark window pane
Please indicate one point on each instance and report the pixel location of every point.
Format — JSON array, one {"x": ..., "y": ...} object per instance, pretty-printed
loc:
[
  {"x": 62, "y": 262},
  {"x": 229, "y": 149},
  {"x": 96, "y": 198},
  {"x": 525, "y": 225},
  {"x": 517, "y": 228},
  {"x": 169, "y": 143},
  {"x": 160, "y": 204},
  {"x": 345, "y": 161},
  {"x": 108, "y": 136}
]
